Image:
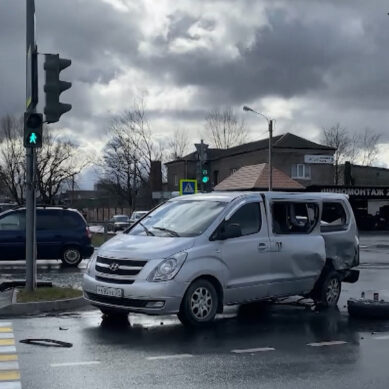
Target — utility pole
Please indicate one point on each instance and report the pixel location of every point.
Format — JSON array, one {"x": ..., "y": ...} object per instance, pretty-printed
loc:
[
  {"x": 270, "y": 155},
  {"x": 31, "y": 102}
]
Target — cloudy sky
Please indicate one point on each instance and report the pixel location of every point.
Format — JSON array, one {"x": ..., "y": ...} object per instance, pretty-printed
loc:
[{"x": 307, "y": 63}]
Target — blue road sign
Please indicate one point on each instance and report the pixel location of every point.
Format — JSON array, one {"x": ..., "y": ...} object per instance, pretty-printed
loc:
[{"x": 188, "y": 187}]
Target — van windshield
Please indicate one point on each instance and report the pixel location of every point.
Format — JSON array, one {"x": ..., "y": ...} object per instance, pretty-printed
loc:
[{"x": 179, "y": 218}]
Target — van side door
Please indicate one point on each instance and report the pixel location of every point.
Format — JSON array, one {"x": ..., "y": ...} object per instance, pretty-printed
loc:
[
  {"x": 297, "y": 248},
  {"x": 13, "y": 236},
  {"x": 245, "y": 256}
]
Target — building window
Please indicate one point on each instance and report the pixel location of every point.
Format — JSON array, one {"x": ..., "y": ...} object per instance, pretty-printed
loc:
[
  {"x": 301, "y": 171},
  {"x": 175, "y": 180},
  {"x": 215, "y": 177}
]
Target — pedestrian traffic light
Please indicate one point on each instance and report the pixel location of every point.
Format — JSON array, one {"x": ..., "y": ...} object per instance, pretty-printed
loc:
[
  {"x": 33, "y": 123},
  {"x": 54, "y": 87}
]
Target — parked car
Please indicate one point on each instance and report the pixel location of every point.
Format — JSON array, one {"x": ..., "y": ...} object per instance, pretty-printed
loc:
[
  {"x": 136, "y": 215},
  {"x": 118, "y": 223},
  {"x": 194, "y": 254},
  {"x": 61, "y": 234}
]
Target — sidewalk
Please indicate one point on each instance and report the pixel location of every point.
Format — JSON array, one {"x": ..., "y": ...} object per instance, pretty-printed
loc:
[{"x": 5, "y": 298}]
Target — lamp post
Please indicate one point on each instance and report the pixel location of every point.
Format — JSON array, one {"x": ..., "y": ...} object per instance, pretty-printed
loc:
[{"x": 270, "y": 126}]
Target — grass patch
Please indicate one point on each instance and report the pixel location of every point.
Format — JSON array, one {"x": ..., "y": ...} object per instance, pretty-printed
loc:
[
  {"x": 98, "y": 239},
  {"x": 47, "y": 294}
]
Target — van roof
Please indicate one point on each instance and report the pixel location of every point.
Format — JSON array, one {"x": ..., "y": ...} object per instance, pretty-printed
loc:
[{"x": 229, "y": 196}]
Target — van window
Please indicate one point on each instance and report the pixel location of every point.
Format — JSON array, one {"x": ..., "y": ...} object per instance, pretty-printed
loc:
[
  {"x": 13, "y": 222},
  {"x": 47, "y": 221},
  {"x": 333, "y": 217},
  {"x": 248, "y": 217},
  {"x": 294, "y": 218}
]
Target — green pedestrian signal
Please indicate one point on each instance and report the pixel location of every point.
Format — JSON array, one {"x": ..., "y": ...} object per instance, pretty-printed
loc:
[
  {"x": 33, "y": 124},
  {"x": 32, "y": 139}
]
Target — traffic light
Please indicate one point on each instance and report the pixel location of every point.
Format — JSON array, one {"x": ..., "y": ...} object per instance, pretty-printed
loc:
[
  {"x": 204, "y": 173},
  {"x": 33, "y": 123},
  {"x": 54, "y": 87}
]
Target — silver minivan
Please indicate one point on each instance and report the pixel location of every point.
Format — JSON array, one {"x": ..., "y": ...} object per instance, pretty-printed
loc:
[{"x": 196, "y": 253}]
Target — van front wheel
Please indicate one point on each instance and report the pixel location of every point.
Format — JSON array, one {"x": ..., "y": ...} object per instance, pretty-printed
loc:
[{"x": 199, "y": 305}]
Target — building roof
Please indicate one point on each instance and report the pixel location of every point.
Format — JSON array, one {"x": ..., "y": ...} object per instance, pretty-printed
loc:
[
  {"x": 257, "y": 177},
  {"x": 284, "y": 141}
]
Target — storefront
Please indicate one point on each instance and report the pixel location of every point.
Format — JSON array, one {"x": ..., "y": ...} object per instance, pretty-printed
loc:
[{"x": 370, "y": 204}]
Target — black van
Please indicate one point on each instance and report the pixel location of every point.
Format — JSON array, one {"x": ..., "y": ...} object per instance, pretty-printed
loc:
[{"x": 61, "y": 234}]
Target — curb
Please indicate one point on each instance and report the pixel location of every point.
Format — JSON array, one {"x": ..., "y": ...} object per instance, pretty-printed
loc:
[{"x": 23, "y": 309}]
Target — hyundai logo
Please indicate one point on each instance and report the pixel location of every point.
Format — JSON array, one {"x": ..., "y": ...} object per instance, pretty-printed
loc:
[{"x": 114, "y": 266}]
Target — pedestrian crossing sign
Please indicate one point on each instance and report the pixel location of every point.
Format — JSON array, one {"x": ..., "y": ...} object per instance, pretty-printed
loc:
[{"x": 188, "y": 187}]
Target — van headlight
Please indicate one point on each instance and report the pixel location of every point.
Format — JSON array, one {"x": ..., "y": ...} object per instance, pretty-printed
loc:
[
  {"x": 91, "y": 261},
  {"x": 168, "y": 268}
]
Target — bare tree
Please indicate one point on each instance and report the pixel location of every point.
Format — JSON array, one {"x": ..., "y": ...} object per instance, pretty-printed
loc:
[
  {"x": 12, "y": 157},
  {"x": 128, "y": 155},
  {"x": 368, "y": 147},
  {"x": 225, "y": 129},
  {"x": 58, "y": 163},
  {"x": 355, "y": 148},
  {"x": 178, "y": 144}
]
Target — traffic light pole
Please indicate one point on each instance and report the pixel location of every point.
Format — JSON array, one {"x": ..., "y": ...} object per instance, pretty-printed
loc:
[{"x": 31, "y": 84}]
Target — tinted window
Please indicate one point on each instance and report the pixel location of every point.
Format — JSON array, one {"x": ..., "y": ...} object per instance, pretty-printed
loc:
[
  {"x": 333, "y": 217},
  {"x": 14, "y": 221},
  {"x": 248, "y": 217},
  {"x": 47, "y": 220},
  {"x": 294, "y": 218},
  {"x": 72, "y": 220}
]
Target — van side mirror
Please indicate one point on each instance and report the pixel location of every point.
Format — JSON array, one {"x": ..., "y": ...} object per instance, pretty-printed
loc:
[{"x": 229, "y": 231}]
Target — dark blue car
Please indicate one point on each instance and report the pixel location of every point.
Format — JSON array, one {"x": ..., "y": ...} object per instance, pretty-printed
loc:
[{"x": 61, "y": 234}]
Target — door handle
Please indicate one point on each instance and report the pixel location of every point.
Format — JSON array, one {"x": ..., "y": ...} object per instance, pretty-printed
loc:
[{"x": 262, "y": 246}]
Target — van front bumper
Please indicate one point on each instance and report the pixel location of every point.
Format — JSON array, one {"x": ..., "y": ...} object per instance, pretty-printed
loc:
[{"x": 152, "y": 298}]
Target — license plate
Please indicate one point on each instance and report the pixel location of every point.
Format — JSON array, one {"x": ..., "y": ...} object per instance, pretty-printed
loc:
[{"x": 113, "y": 292}]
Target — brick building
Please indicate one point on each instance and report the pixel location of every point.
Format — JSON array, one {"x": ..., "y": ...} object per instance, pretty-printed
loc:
[{"x": 289, "y": 156}]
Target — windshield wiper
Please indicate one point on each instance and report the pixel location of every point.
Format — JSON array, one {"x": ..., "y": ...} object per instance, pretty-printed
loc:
[
  {"x": 148, "y": 232},
  {"x": 171, "y": 232}
]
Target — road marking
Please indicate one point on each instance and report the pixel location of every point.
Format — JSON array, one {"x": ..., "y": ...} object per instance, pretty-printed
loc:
[
  {"x": 7, "y": 342},
  {"x": 6, "y": 335},
  {"x": 383, "y": 337},
  {"x": 8, "y": 357},
  {"x": 11, "y": 385},
  {"x": 74, "y": 364},
  {"x": 9, "y": 365},
  {"x": 8, "y": 376},
  {"x": 253, "y": 350},
  {"x": 169, "y": 356},
  {"x": 323, "y": 344},
  {"x": 13, "y": 365},
  {"x": 7, "y": 349}
]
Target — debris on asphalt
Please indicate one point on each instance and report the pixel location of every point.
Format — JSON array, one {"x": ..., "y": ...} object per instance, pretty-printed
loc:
[{"x": 47, "y": 342}]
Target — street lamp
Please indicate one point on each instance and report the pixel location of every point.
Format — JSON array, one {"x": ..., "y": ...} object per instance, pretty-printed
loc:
[{"x": 270, "y": 125}]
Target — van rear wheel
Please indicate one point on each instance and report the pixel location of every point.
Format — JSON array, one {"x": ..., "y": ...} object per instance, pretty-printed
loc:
[
  {"x": 199, "y": 305},
  {"x": 327, "y": 292}
]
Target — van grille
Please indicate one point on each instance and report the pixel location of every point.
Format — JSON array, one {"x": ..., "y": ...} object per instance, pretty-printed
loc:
[{"x": 120, "y": 271}]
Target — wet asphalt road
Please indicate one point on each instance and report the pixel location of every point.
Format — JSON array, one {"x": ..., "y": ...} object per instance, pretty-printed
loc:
[{"x": 278, "y": 346}]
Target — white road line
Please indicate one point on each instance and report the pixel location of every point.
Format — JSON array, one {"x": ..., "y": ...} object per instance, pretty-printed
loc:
[
  {"x": 323, "y": 344},
  {"x": 253, "y": 350},
  {"x": 74, "y": 364},
  {"x": 382, "y": 337},
  {"x": 6, "y": 335},
  {"x": 10, "y": 385},
  {"x": 169, "y": 356},
  {"x": 7, "y": 349},
  {"x": 5, "y": 324},
  {"x": 9, "y": 365}
]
